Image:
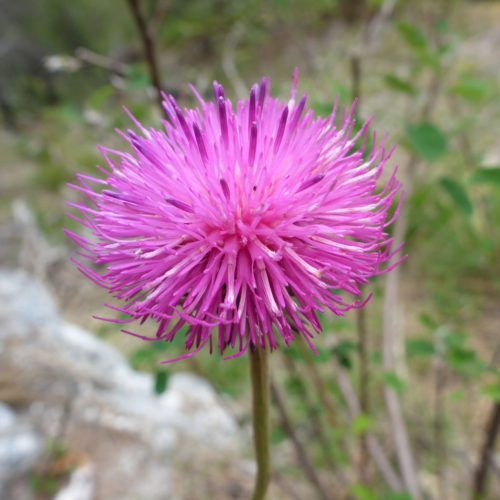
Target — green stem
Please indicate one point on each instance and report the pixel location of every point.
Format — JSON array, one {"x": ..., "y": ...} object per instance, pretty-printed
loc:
[{"x": 260, "y": 400}]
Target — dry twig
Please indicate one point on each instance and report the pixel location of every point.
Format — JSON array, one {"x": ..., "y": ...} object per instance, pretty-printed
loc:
[
  {"x": 491, "y": 433},
  {"x": 302, "y": 457},
  {"x": 149, "y": 49}
]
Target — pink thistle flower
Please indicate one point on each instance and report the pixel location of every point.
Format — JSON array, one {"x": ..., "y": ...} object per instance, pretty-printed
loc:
[{"x": 242, "y": 224}]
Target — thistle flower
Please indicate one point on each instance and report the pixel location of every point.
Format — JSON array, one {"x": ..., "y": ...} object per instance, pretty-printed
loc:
[{"x": 242, "y": 223}]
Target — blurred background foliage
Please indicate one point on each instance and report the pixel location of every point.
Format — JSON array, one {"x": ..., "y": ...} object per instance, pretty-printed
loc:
[{"x": 427, "y": 71}]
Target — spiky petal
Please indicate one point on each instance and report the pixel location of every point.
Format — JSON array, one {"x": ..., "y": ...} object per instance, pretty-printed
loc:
[{"x": 242, "y": 224}]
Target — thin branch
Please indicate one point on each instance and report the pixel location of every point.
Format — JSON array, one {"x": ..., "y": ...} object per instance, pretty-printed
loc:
[
  {"x": 302, "y": 457},
  {"x": 317, "y": 424},
  {"x": 149, "y": 49},
  {"x": 491, "y": 433},
  {"x": 112, "y": 65},
  {"x": 157, "y": 17},
  {"x": 318, "y": 382},
  {"x": 374, "y": 448}
]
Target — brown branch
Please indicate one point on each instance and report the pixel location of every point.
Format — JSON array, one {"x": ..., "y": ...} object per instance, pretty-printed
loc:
[
  {"x": 112, "y": 65},
  {"x": 156, "y": 19},
  {"x": 375, "y": 449},
  {"x": 317, "y": 424},
  {"x": 302, "y": 457},
  {"x": 318, "y": 382},
  {"x": 149, "y": 49},
  {"x": 480, "y": 481}
]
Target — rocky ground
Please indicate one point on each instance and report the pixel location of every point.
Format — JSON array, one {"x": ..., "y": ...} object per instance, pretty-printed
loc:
[{"x": 78, "y": 419}]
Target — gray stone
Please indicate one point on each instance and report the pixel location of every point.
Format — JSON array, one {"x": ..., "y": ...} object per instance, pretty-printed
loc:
[
  {"x": 7, "y": 418},
  {"x": 76, "y": 388},
  {"x": 81, "y": 485},
  {"x": 20, "y": 447}
]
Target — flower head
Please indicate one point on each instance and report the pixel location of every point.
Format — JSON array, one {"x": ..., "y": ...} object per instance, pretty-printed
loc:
[{"x": 242, "y": 223}]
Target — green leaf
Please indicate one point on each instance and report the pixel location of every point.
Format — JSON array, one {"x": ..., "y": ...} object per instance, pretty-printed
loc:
[
  {"x": 399, "y": 85},
  {"x": 362, "y": 492},
  {"x": 427, "y": 141},
  {"x": 323, "y": 355},
  {"x": 471, "y": 90},
  {"x": 419, "y": 347},
  {"x": 428, "y": 321},
  {"x": 160, "y": 382},
  {"x": 394, "y": 382},
  {"x": 464, "y": 360},
  {"x": 278, "y": 435},
  {"x": 458, "y": 194},
  {"x": 486, "y": 175},
  {"x": 412, "y": 35},
  {"x": 361, "y": 425},
  {"x": 295, "y": 385},
  {"x": 492, "y": 391},
  {"x": 138, "y": 78},
  {"x": 343, "y": 352}
]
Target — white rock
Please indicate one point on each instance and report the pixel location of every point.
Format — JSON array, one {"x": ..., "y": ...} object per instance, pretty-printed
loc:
[
  {"x": 20, "y": 447},
  {"x": 7, "y": 418},
  {"x": 81, "y": 485},
  {"x": 77, "y": 383}
]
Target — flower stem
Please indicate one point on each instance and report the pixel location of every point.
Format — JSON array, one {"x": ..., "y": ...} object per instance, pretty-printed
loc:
[{"x": 260, "y": 401}]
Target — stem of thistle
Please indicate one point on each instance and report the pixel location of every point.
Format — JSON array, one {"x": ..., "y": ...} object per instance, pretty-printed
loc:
[{"x": 260, "y": 401}]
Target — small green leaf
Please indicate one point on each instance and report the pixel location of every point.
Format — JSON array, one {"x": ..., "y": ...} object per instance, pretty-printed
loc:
[
  {"x": 412, "y": 35},
  {"x": 427, "y": 141},
  {"x": 428, "y": 321},
  {"x": 362, "y": 492},
  {"x": 343, "y": 352},
  {"x": 486, "y": 175},
  {"x": 278, "y": 435},
  {"x": 492, "y": 391},
  {"x": 399, "y": 85},
  {"x": 361, "y": 425},
  {"x": 160, "y": 382},
  {"x": 295, "y": 385},
  {"x": 138, "y": 78},
  {"x": 419, "y": 347},
  {"x": 394, "y": 382},
  {"x": 464, "y": 361},
  {"x": 458, "y": 194},
  {"x": 471, "y": 90},
  {"x": 323, "y": 355}
]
